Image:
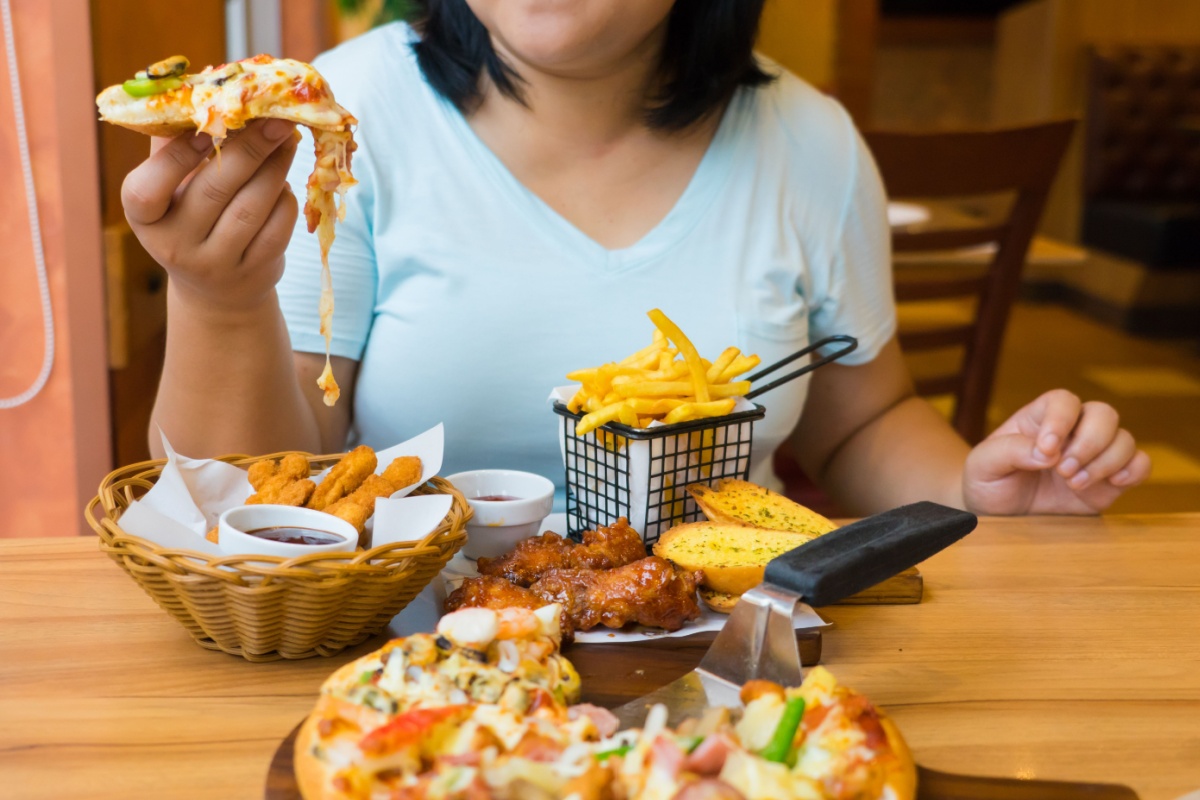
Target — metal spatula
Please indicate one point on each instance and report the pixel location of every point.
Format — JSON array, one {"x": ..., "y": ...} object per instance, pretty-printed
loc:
[{"x": 759, "y": 639}]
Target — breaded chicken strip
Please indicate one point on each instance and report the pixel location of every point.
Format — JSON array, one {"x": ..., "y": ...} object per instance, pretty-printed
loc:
[
  {"x": 403, "y": 471},
  {"x": 284, "y": 482},
  {"x": 346, "y": 476},
  {"x": 357, "y": 507}
]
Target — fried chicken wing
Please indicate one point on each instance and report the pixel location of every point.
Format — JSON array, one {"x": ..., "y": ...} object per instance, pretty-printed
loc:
[
  {"x": 284, "y": 482},
  {"x": 346, "y": 476},
  {"x": 403, "y": 471},
  {"x": 529, "y": 559},
  {"x": 497, "y": 593},
  {"x": 604, "y": 548},
  {"x": 649, "y": 592}
]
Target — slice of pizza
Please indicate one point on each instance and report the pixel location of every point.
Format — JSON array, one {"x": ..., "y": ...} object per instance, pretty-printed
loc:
[
  {"x": 165, "y": 100},
  {"x": 484, "y": 700}
]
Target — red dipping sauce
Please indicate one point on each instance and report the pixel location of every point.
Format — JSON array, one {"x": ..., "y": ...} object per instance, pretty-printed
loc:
[
  {"x": 493, "y": 498},
  {"x": 290, "y": 534}
]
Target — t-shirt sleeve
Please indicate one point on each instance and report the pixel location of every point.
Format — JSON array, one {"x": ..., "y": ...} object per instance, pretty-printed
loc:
[
  {"x": 855, "y": 296},
  {"x": 351, "y": 261}
]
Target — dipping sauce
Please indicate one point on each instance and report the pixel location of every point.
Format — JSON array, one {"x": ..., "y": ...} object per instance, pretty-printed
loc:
[
  {"x": 290, "y": 534},
  {"x": 497, "y": 497}
]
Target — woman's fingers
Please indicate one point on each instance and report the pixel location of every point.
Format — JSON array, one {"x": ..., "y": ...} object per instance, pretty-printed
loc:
[
  {"x": 272, "y": 238},
  {"x": 1096, "y": 430},
  {"x": 1133, "y": 473},
  {"x": 148, "y": 189},
  {"x": 214, "y": 187},
  {"x": 1056, "y": 413},
  {"x": 249, "y": 209},
  {"x": 1109, "y": 462}
]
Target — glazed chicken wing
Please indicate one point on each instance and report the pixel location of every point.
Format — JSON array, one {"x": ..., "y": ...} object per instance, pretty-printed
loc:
[
  {"x": 497, "y": 593},
  {"x": 649, "y": 592},
  {"x": 604, "y": 548}
]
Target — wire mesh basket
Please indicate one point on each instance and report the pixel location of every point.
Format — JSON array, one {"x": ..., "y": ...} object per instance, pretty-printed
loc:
[{"x": 642, "y": 473}]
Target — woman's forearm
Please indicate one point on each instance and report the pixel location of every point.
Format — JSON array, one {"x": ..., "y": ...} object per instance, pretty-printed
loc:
[
  {"x": 905, "y": 454},
  {"x": 229, "y": 384}
]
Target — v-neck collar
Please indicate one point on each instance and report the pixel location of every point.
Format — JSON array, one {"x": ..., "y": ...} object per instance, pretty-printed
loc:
[{"x": 703, "y": 187}]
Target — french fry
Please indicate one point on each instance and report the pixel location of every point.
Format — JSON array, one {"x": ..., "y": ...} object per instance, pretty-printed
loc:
[
  {"x": 724, "y": 360},
  {"x": 688, "y": 411},
  {"x": 687, "y": 349},
  {"x": 680, "y": 389},
  {"x": 666, "y": 381},
  {"x": 737, "y": 367},
  {"x": 597, "y": 418}
]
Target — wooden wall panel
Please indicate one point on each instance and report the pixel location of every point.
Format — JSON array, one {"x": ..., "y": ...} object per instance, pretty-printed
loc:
[
  {"x": 127, "y": 35},
  {"x": 56, "y": 448}
]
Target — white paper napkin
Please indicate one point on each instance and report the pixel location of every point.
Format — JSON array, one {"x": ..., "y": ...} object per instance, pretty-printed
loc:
[{"x": 191, "y": 494}]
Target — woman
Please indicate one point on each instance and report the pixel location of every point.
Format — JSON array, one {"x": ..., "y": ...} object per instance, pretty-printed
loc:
[{"x": 534, "y": 177}]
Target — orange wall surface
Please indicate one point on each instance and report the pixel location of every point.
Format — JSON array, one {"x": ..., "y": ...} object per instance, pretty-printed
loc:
[{"x": 55, "y": 449}]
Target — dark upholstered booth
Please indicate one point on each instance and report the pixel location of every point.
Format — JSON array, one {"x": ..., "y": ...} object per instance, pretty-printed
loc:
[{"x": 1142, "y": 156}]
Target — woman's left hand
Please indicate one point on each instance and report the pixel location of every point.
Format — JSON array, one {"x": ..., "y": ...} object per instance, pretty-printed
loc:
[{"x": 1057, "y": 455}]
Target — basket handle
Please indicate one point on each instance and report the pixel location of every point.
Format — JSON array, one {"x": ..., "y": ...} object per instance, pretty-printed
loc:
[{"x": 849, "y": 345}]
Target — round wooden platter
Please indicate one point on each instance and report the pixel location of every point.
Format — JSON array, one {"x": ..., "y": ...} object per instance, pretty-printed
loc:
[
  {"x": 617, "y": 673},
  {"x": 931, "y": 784}
]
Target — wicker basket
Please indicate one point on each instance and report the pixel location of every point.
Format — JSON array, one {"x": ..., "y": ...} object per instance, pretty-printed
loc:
[{"x": 271, "y": 607}]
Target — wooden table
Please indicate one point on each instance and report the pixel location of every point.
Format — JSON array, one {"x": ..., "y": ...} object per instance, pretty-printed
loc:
[{"x": 1045, "y": 648}]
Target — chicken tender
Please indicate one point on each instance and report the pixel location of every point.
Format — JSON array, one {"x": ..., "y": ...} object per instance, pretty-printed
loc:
[
  {"x": 346, "y": 476},
  {"x": 284, "y": 482},
  {"x": 404, "y": 471},
  {"x": 358, "y": 506}
]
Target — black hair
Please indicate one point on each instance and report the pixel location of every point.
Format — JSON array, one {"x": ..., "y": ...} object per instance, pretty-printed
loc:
[{"x": 708, "y": 54}]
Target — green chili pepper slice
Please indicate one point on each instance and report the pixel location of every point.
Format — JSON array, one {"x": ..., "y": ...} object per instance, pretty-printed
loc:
[
  {"x": 144, "y": 87},
  {"x": 616, "y": 751},
  {"x": 781, "y": 741}
]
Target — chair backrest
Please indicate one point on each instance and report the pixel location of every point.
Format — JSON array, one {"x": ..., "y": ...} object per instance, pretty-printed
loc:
[{"x": 1020, "y": 162}]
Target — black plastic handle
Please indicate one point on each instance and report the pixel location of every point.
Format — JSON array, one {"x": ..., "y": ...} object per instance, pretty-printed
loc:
[{"x": 846, "y": 561}]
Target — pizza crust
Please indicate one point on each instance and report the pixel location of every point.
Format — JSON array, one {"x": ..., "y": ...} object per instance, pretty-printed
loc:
[
  {"x": 311, "y": 774},
  {"x": 902, "y": 773}
]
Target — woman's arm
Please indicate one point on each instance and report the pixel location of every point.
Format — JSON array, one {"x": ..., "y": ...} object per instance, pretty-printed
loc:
[
  {"x": 230, "y": 383},
  {"x": 868, "y": 440}
]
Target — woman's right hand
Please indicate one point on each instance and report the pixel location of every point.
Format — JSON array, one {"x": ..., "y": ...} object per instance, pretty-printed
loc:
[{"x": 218, "y": 226}]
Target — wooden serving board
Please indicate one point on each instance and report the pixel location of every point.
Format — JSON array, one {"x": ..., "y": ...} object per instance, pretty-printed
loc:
[
  {"x": 931, "y": 784},
  {"x": 903, "y": 588}
]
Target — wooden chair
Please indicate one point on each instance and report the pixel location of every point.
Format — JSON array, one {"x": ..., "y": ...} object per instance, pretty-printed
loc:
[{"x": 1018, "y": 162}]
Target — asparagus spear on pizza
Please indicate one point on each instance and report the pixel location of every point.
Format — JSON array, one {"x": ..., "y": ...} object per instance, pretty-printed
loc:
[{"x": 165, "y": 100}]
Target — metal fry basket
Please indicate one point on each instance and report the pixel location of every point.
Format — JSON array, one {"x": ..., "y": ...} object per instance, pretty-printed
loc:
[{"x": 641, "y": 473}]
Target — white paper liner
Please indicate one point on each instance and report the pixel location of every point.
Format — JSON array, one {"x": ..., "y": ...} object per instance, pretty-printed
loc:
[
  {"x": 191, "y": 494},
  {"x": 596, "y": 502}
]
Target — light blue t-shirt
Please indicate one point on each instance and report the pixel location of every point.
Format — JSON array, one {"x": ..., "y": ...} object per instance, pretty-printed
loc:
[{"x": 466, "y": 299}]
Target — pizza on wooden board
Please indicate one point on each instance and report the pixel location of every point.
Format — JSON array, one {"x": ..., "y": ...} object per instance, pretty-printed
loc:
[{"x": 485, "y": 708}]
